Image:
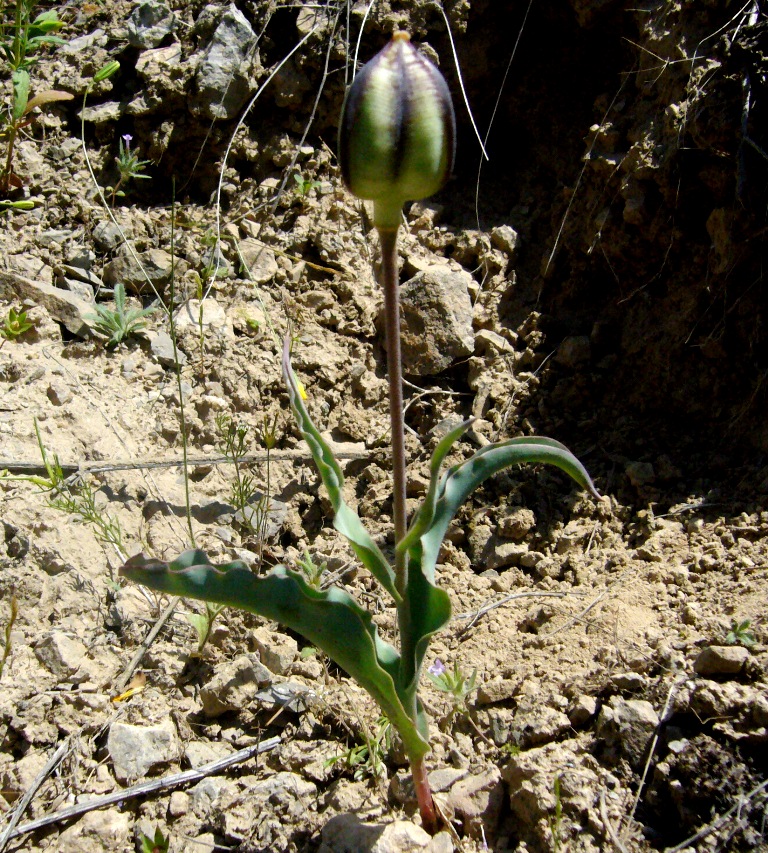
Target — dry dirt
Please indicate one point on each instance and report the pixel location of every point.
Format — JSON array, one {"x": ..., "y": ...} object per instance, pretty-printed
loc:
[{"x": 625, "y": 316}]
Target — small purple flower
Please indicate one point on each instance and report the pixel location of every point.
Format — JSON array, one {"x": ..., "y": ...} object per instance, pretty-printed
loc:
[
  {"x": 437, "y": 669},
  {"x": 127, "y": 140}
]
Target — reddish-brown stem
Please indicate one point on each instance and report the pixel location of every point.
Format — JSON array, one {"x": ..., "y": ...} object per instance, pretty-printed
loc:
[
  {"x": 391, "y": 286},
  {"x": 424, "y": 797}
]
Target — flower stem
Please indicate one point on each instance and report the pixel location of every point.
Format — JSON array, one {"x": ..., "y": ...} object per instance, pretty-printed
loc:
[
  {"x": 424, "y": 796},
  {"x": 391, "y": 286}
]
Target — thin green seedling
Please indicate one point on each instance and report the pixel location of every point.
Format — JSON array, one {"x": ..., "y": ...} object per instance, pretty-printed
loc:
[
  {"x": 13, "y": 612},
  {"x": 121, "y": 322},
  {"x": 19, "y": 47},
  {"x": 234, "y": 444},
  {"x": 14, "y": 325},
  {"x": 203, "y": 623},
  {"x": 395, "y": 143},
  {"x": 159, "y": 844},
  {"x": 129, "y": 167},
  {"x": 555, "y": 820},
  {"x": 304, "y": 186},
  {"x": 741, "y": 633},
  {"x": 72, "y": 496},
  {"x": 367, "y": 758},
  {"x": 104, "y": 73},
  {"x": 312, "y": 571}
]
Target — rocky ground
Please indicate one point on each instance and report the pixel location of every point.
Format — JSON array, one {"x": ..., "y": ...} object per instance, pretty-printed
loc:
[{"x": 598, "y": 280}]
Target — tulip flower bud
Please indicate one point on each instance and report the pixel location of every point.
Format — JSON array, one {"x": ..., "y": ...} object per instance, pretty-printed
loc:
[{"x": 397, "y": 131}]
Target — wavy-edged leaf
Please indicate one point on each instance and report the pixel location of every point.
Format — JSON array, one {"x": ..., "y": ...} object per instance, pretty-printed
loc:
[
  {"x": 330, "y": 619},
  {"x": 346, "y": 520}
]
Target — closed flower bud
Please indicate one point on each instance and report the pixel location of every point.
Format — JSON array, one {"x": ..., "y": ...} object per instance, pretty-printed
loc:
[{"x": 397, "y": 131}]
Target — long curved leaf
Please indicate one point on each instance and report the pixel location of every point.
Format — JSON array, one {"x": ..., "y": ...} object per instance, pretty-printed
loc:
[
  {"x": 346, "y": 520},
  {"x": 330, "y": 619},
  {"x": 462, "y": 479}
]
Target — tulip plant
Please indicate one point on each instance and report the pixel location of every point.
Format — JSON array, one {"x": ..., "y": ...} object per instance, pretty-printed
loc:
[{"x": 396, "y": 143}]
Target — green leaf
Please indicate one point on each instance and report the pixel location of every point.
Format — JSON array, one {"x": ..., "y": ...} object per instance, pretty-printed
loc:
[
  {"x": 20, "y": 92},
  {"x": 330, "y": 619},
  {"x": 346, "y": 520},
  {"x": 428, "y": 607},
  {"x": 462, "y": 479}
]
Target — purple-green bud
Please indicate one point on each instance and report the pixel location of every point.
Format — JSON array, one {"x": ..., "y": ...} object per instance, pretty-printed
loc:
[{"x": 397, "y": 131}]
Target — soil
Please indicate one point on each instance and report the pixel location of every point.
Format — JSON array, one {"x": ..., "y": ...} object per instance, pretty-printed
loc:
[{"x": 615, "y": 239}]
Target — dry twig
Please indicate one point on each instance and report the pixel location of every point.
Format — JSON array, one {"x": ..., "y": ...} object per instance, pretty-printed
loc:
[{"x": 144, "y": 788}]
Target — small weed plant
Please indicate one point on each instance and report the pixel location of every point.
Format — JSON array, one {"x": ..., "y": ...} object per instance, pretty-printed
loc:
[
  {"x": 455, "y": 683},
  {"x": 304, "y": 186},
  {"x": 158, "y": 844},
  {"x": 120, "y": 323},
  {"x": 72, "y": 496},
  {"x": 20, "y": 42},
  {"x": 129, "y": 167},
  {"x": 14, "y": 325},
  {"x": 368, "y": 758},
  {"x": 396, "y": 142},
  {"x": 741, "y": 633}
]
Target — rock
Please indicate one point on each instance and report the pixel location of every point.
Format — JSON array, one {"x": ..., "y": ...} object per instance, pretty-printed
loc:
[
  {"x": 59, "y": 393},
  {"x": 277, "y": 651},
  {"x": 149, "y": 23},
  {"x": 234, "y": 685},
  {"x": 153, "y": 267},
  {"x": 640, "y": 473},
  {"x": 223, "y": 80},
  {"x": 110, "y": 111},
  {"x": 212, "y": 317},
  {"x": 436, "y": 320},
  {"x": 574, "y": 352},
  {"x": 134, "y": 750},
  {"x": 584, "y": 708},
  {"x": 200, "y": 752},
  {"x": 345, "y": 833},
  {"x": 500, "y": 690},
  {"x": 504, "y": 237},
  {"x": 178, "y": 805},
  {"x": 344, "y": 795},
  {"x": 107, "y": 236},
  {"x": 29, "y": 266},
  {"x": 83, "y": 275},
  {"x": 628, "y": 724},
  {"x": 78, "y": 288},
  {"x": 207, "y": 793},
  {"x": 66, "y": 308},
  {"x": 259, "y": 259},
  {"x": 516, "y": 523},
  {"x": 477, "y": 800},
  {"x": 539, "y": 723},
  {"x": 721, "y": 660},
  {"x": 631, "y": 682},
  {"x": 97, "y": 831},
  {"x": 60, "y": 654},
  {"x": 161, "y": 345},
  {"x": 284, "y": 794},
  {"x": 266, "y": 521}
]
